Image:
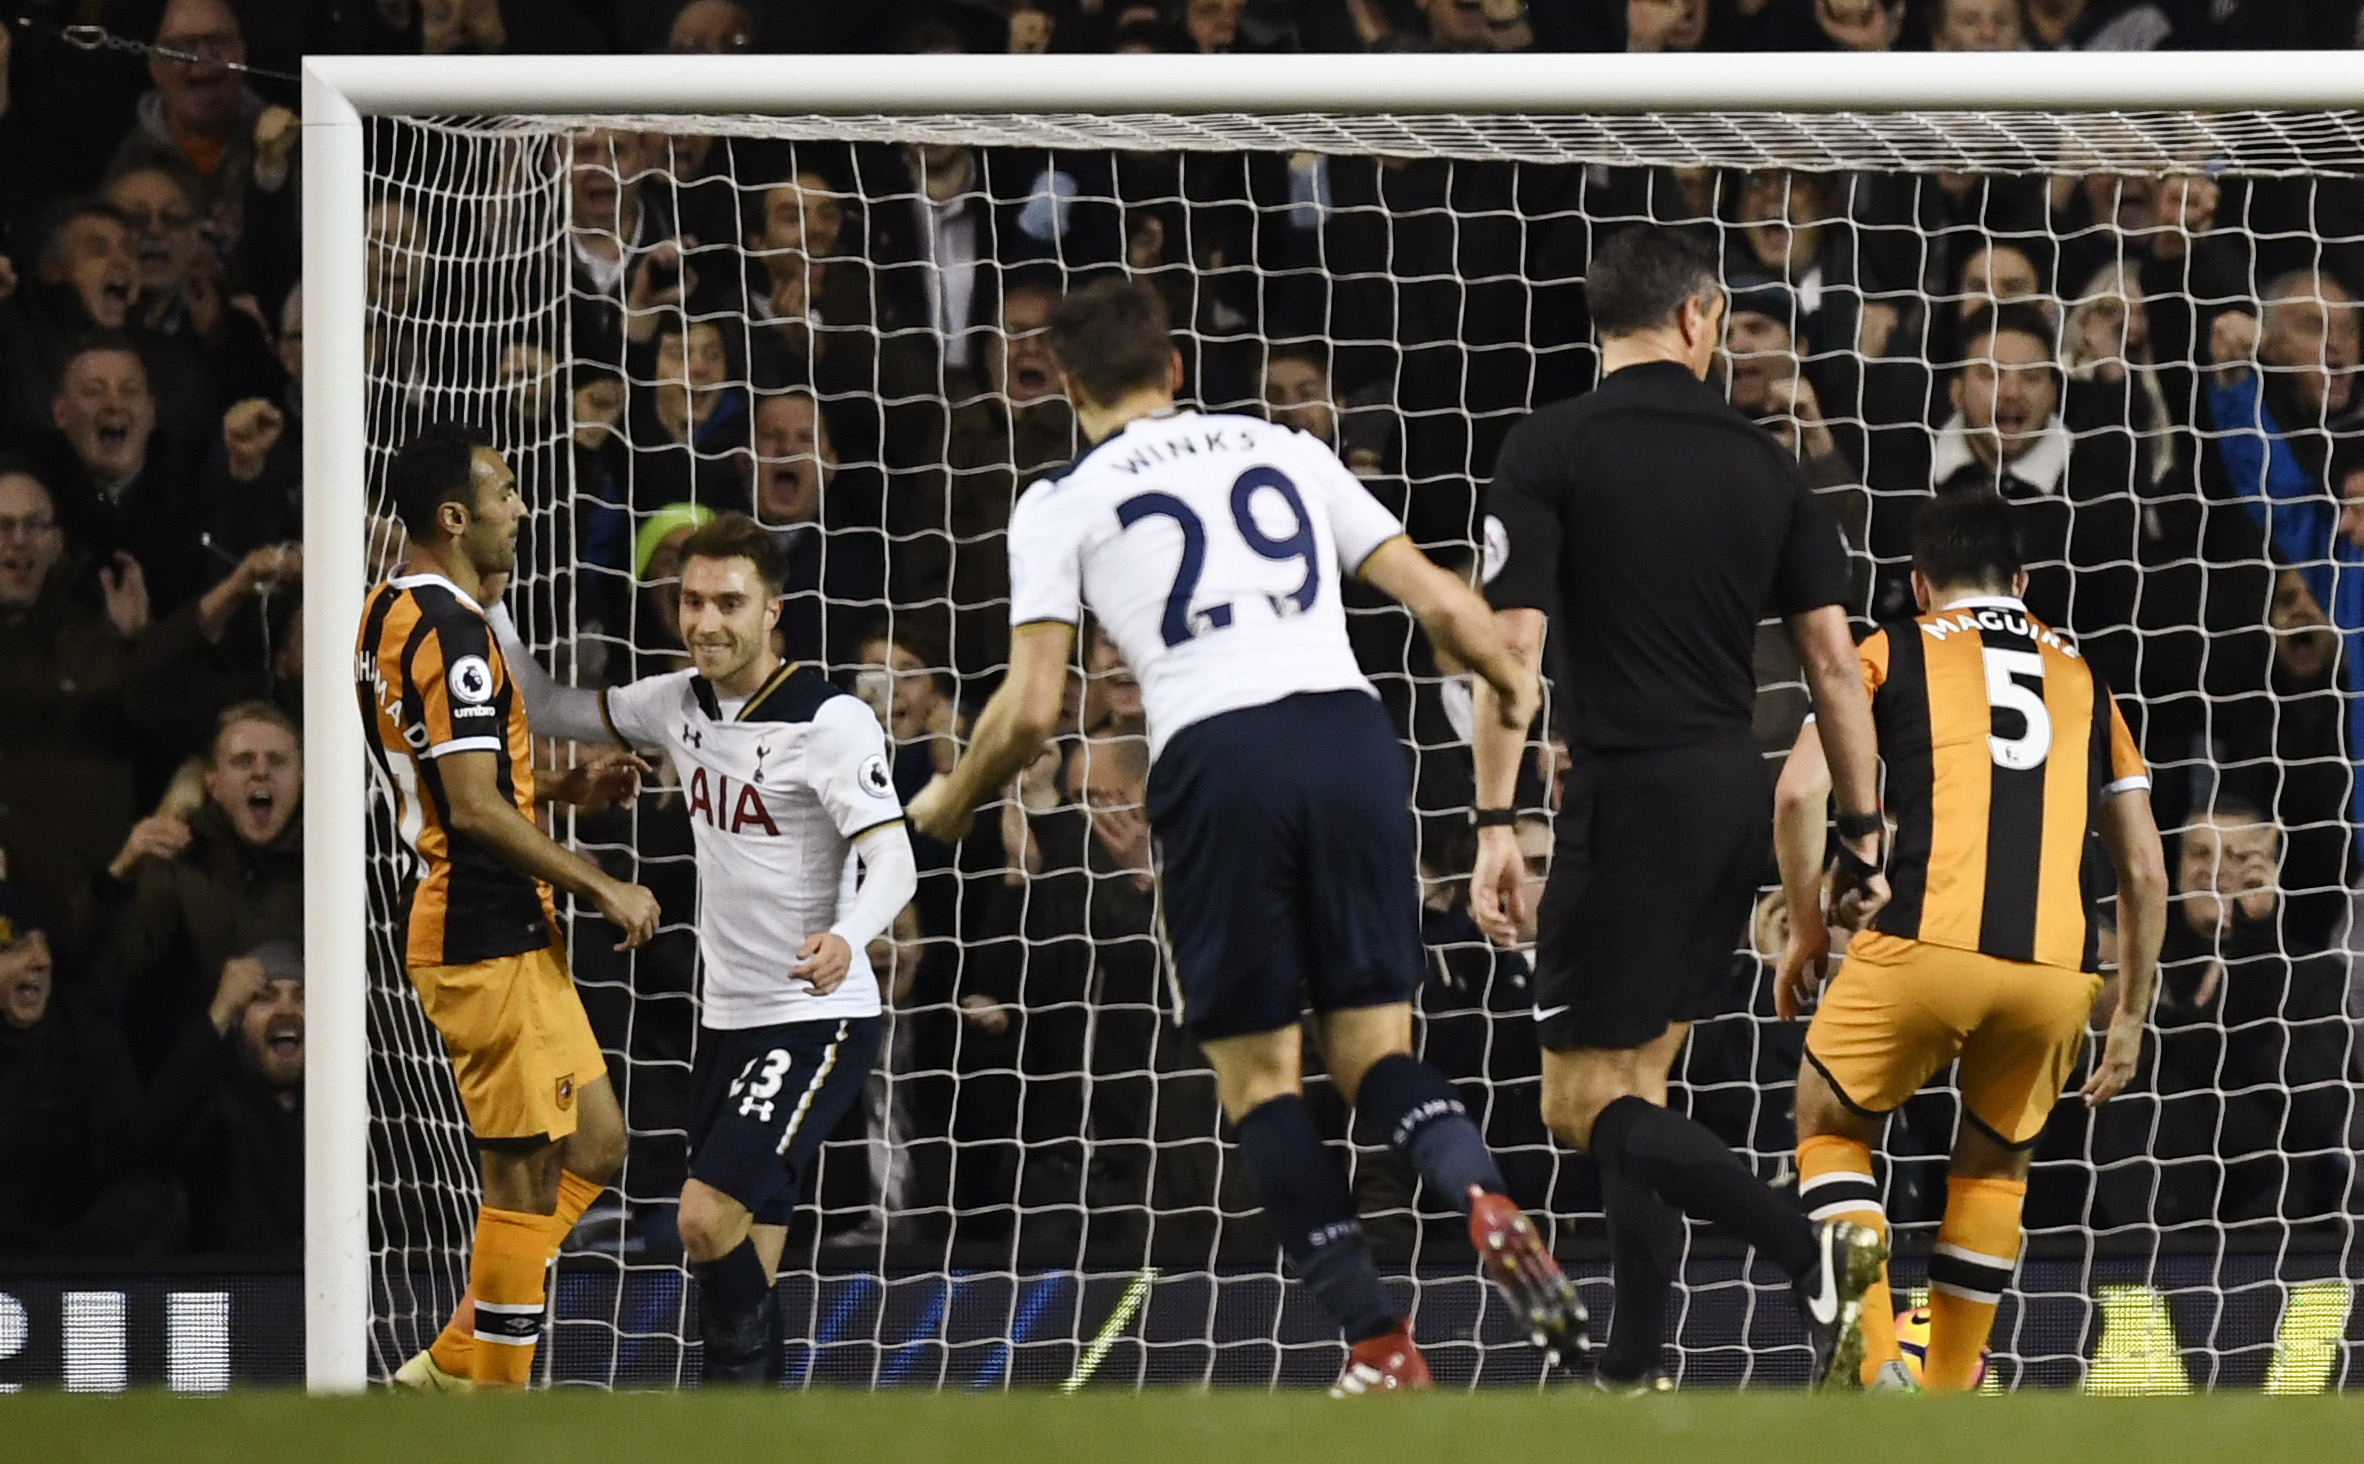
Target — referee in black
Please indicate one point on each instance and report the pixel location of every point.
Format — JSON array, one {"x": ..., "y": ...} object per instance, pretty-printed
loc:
[{"x": 1653, "y": 526}]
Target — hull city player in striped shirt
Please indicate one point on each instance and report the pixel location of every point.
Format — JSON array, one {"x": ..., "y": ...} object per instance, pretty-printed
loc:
[
  {"x": 2007, "y": 761},
  {"x": 481, "y": 947}
]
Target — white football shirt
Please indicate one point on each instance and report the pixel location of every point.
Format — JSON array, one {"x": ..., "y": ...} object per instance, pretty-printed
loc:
[
  {"x": 1212, "y": 547},
  {"x": 778, "y": 790}
]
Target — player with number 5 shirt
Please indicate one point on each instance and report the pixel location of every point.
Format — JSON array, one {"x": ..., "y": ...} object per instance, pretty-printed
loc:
[{"x": 2007, "y": 764}]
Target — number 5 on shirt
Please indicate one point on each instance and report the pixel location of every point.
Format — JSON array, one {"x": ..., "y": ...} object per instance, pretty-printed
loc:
[{"x": 2007, "y": 690}]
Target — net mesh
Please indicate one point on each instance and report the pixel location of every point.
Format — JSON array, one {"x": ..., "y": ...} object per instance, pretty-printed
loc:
[{"x": 834, "y": 323}]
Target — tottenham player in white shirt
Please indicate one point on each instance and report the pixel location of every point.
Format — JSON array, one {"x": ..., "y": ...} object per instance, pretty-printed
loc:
[
  {"x": 787, "y": 783},
  {"x": 1212, "y": 549}
]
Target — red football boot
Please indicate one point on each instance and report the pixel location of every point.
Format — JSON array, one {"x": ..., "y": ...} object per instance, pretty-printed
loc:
[
  {"x": 1387, "y": 1363},
  {"x": 1530, "y": 1279}
]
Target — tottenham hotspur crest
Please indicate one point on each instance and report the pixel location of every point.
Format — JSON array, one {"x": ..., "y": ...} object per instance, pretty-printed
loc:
[{"x": 874, "y": 777}]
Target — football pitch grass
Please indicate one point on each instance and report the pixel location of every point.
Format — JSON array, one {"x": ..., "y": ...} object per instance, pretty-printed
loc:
[{"x": 1174, "y": 1427}]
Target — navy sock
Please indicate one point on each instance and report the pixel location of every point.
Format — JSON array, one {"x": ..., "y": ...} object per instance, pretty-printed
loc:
[
  {"x": 1424, "y": 1119},
  {"x": 734, "y": 1315},
  {"x": 1305, "y": 1196},
  {"x": 1645, "y": 1247},
  {"x": 1687, "y": 1166}
]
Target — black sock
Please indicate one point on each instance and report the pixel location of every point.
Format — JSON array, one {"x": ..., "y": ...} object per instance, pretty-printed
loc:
[
  {"x": 1685, "y": 1165},
  {"x": 1304, "y": 1194},
  {"x": 735, "y": 1311},
  {"x": 1423, "y": 1117},
  {"x": 1645, "y": 1248}
]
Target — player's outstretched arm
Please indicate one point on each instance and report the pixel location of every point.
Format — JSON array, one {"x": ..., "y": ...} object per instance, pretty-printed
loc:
[
  {"x": 551, "y": 710},
  {"x": 1014, "y": 724},
  {"x": 1461, "y": 624},
  {"x": 482, "y": 812},
  {"x": 2131, "y": 837}
]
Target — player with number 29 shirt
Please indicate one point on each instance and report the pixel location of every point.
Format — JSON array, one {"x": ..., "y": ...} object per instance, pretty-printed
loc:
[{"x": 1213, "y": 548}]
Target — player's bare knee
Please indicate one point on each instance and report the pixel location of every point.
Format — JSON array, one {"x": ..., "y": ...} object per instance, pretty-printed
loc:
[
  {"x": 710, "y": 1222},
  {"x": 520, "y": 1175},
  {"x": 1255, "y": 1068},
  {"x": 1353, "y": 1041},
  {"x": 1822, "y": 1112},
  {"x": 1568, "y": 1111},
  {"x": 1978, "y": 1155},
  {"x": 595, "y": 1150}
]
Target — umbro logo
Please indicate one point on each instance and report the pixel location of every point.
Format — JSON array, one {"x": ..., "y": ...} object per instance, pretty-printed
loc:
[{"x": 566, "y": 1091}]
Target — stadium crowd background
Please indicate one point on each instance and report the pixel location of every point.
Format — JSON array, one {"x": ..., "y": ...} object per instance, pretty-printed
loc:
[{"x": 846, "y": 341}]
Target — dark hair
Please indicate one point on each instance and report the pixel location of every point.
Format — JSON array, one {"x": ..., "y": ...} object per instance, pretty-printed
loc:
[
  {"x": 437, "y": 466},
  {"x": 2017, "y": 317},
  {"x": 63, "y": 216},
  {"x": 1315, "y": 353},
  {"x": 736, "y": 536},
  {"x": 1967, "y": 539},
  {"x": 13, "y": 466},
  {"x": 1112, "y": 338},
  {"x": 91, "y": 342},
  {"x": 2234, "y": 807},
  {"x": 1641, "y": 277}
]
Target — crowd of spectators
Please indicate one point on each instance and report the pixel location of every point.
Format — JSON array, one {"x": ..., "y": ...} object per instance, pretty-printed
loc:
[{"x": 2157, "y": 369}]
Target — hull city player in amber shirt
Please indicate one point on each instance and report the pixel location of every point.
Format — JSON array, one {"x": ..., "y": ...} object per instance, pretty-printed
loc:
[
  {"x": 448, "y": 739},
  {"x": 2008, "y": 764}
]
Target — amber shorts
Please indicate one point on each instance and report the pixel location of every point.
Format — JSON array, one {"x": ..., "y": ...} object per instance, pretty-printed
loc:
[
  {"x": 1898, "y": 1011},
  {"x": 521, "y": 1047}
]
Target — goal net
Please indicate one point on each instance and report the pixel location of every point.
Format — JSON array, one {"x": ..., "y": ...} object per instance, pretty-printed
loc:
[{"x": 2139, "y": 325}]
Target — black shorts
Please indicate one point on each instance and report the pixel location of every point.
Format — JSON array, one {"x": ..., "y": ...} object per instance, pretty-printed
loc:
[
  {"x": 762, "y": 1100},
  {"x": 1286, "y": 864},
  {"x": 1656, "y": 868}
]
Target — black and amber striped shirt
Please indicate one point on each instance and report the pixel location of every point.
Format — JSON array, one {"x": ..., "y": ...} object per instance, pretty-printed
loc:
[
  {"x": 2000, "y": 742},
  {"x": 432, "y": 683}
]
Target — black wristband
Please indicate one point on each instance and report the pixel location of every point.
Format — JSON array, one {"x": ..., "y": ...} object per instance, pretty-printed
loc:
[
  {"x": 1493, "y": 818},
  {"x": 1859, "y": 825}
]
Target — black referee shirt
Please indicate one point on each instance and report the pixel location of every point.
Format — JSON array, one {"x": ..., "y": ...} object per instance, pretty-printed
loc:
[{"x": 1656, "y": 526}]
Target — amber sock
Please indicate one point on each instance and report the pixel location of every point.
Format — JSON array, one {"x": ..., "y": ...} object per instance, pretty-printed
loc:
[
  {"x": 1835, "y": 1183},
  {"x": 505, "y": 1275},
  {"x": 455, "y": 1346},
  {"x": 1977, "y": 1249}
]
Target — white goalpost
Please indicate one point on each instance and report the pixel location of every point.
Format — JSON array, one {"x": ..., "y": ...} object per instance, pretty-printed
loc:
[{"x": 475, "y": 154}]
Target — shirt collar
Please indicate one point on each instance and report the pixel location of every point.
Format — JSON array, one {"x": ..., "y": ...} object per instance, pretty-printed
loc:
[
  {"x": 1984, "y": 602},
  {"x": 414, "y": 581},
  {"x": 2043, "y": 467}
]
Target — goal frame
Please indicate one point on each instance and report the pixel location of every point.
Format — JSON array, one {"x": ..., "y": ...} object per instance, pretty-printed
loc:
[{"x": 339, "y": 91}]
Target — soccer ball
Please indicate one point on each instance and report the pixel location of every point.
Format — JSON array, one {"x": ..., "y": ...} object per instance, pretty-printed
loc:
[{"x": 1912, "y": 1338}]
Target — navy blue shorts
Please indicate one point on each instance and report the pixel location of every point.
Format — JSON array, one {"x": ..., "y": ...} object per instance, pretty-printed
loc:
[
  {"x": 1286, "y": 864},
  {"x": 762, "y": 1100}
]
